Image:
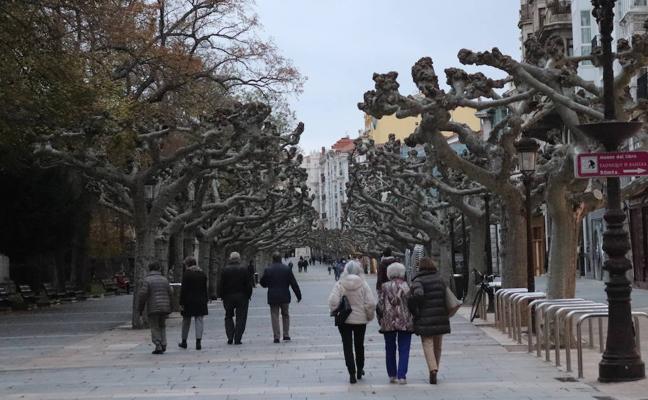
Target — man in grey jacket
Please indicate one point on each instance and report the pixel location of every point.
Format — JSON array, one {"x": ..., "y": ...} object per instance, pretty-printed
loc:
[{"x": 156, "y": 294}]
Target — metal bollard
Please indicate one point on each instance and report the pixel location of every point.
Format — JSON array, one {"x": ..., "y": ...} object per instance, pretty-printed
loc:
[
  {"x": 568, "y": 332},
  {"x": 549, "y": 312},
  {"x": 539, "y": 314},
  {"x": 560, "y": 313},
  {"x": 517, "y": 301}
]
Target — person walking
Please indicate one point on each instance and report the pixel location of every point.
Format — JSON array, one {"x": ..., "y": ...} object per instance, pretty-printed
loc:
[
  {"x": 279, "y": 279},
  {"x": 353, "y": 285},
  {"x": 396, "y": 322},
  {"x": 155, "y": 294},
  {"x": 300, "y": 264},
  {"x": 305, "y": 265},
  {"x": 193, "y": 301},
  {"x": 428, "y": 306},
  {"x": 385, "y": 261},
  {"x": 235, "y": 288}
]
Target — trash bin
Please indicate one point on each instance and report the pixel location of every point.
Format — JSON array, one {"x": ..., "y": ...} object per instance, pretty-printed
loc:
[{"x": 458, "y": 285}]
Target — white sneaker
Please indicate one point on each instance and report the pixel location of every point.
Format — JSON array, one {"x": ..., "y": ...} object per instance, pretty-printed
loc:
[
  {"x": 402, "y": 381},
  {"x": 392, "y": 379}
]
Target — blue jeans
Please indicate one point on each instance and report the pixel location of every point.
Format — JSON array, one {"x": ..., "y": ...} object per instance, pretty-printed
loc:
[{"x": 404, "y": 339}]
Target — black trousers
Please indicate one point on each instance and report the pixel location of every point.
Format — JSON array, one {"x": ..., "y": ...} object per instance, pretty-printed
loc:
[
  {"x": 353, "y": 339},
  {"x": 235, "y": 306}
]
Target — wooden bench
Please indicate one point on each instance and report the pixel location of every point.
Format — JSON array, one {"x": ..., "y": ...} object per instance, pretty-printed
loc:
[
  {"x": 5, "y": 302},
  {"x": 109, "y": 286},
  {"x": 52, "y": 293},
  {"x": 73, "y": 291},
  {"x": 27, "y": 294}
]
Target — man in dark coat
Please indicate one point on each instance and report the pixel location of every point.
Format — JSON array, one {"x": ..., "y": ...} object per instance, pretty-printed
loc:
[
  {"x": 385, "y": 262},
  {"x": 193, "y": 300},
  {"x": 235, "y": 288},
  {"x": 279, "y": 278},
  {"x": 156, "y": 294}
]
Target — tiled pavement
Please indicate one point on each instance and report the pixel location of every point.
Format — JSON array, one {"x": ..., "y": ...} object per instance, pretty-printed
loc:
[{"x": 117, "y": 364}]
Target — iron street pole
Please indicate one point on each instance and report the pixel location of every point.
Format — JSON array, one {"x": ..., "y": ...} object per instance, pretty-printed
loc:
[
  {"x": 530, "y": 272},
  {"x": 489, "y": 256},
  {"x": 621, "y": 361},
  {"x": 527, "y": 149}
]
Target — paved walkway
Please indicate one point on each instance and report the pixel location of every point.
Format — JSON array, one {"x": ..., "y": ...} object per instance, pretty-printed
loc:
[{"x": 118, "y": 364}]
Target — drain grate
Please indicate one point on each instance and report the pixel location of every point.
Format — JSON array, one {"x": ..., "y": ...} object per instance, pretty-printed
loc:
[
  {"x": 572, "y": 379},
  {"x": 604, "y": 398}
]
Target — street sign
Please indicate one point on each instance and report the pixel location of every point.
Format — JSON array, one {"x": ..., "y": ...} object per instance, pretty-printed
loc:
[{"x": 628, "y": 163}]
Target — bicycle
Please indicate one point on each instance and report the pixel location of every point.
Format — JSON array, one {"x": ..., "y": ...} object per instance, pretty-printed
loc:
[{"x": 484, "y": 288}]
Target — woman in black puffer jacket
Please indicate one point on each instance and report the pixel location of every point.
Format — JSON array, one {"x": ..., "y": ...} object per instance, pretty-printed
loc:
[{"x": 428, "y": 306}]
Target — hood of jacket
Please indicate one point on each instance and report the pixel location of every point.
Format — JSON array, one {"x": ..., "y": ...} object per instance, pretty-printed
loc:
[
  {"x": 194, "y": 268},
  {"x": 351, "y": 282}
]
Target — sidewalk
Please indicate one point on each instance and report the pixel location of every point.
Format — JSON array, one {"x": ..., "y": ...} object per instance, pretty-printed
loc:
[
  {"x": 591, "y": 290},
  {"x": 118, "y": 364}
]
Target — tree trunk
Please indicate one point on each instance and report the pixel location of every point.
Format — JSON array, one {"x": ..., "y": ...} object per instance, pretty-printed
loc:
[
  {"x": 162, "y": 254},
  {"x": 563, "y": 252},
  {"x": 177, "y": 257},
  {"x": 204, "y": 250},
  {"x": 514, "y": 244},
  {"x": 477, "y": 254},
  {"x": 144, "y": 255},
  {"x": 445, "y": 261}
]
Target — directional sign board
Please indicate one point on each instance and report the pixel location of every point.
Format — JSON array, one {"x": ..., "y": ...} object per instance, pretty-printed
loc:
[{"x": 629, "y": 163}]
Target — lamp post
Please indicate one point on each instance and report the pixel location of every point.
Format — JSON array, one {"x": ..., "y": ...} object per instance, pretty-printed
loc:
[
  {"x": 149, "y": 193},
  {"x": 527, "y": 149},
  {"x": 621, "y": 361}
]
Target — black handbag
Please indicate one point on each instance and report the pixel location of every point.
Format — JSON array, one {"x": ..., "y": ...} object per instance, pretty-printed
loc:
[{"x": 342, "y": 312}]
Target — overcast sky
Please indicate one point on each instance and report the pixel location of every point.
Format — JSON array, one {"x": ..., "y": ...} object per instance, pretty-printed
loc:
[{"x": 339, "y": 44}]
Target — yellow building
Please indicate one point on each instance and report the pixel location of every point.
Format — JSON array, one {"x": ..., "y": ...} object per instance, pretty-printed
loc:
[{"x": 379, "y": 129}]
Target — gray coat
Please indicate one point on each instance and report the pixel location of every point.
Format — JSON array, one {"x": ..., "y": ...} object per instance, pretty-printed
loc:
[
  {"x": 156, "y": 293},
  {"x": 428, "y": 305}
]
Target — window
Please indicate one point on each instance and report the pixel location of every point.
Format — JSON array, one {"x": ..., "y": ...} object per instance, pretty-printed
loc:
[
  {"x": 542, "y": 16},
  {"x": 323, "y": 215},
  {"x": 586, "y": 27},
  {"x": 570, "y": 47},
  {"x": 642, "y": 85},
  {"x": 640, "y": 2}
]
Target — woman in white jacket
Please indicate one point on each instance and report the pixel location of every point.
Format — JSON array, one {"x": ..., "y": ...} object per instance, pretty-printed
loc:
[{"x": 353, "y": 285}]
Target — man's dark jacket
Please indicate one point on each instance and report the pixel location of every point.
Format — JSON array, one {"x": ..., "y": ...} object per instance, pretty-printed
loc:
[
  {"x": 278, "y": 278},
  {"x": 235, "y": 281}
]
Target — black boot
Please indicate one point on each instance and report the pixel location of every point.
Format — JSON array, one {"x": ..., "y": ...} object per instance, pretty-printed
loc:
[
  {"x": 158, "y": 349},
  {"x": 360, "y": 374},
  {"x": 198, "y": 346},
  {"x": 433, "y": 377},
  {"x": 183, "y": 344}
]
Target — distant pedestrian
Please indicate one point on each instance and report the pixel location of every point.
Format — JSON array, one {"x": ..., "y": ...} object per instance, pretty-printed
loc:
[
  {"x": 155, "y": 295},
  {"x": 300, "y": 264},
  {"x": 385, "y": 261},
  {"x": 353, "y": 285},
  {"x": 431, "y": 319},
  {"x": 305, "y": 265},
  {"x": 396, "y": 322},
  {"x": 193, "y": 301},
  {"x": 252, "y": 273},
  {"x": 279, "y": 279},
  {"x": 235, "y": 288}
]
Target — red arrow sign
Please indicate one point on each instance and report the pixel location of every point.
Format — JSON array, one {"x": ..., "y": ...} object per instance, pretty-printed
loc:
[{"x": 629, "y": 163}]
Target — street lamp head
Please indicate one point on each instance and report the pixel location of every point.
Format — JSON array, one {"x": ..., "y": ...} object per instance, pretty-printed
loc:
[{"x": 527, "y": 149}]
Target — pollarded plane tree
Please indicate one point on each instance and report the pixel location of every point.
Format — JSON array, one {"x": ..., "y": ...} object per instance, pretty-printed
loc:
[
  {"x": 492, "y": 160},
  {"x": 398, "y": 208},
  {"x": 167, "y": 73},
  {"x": 546, "y": 86},
  {"x": 425, "y": 191},
  {"x": 561, "y": 103},
  {"x": 435, "y": 191}
]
